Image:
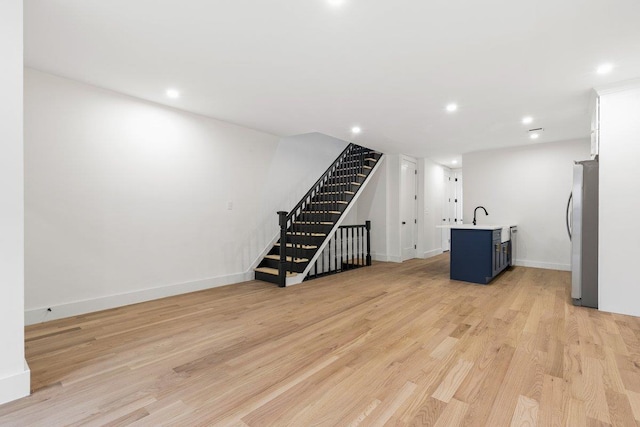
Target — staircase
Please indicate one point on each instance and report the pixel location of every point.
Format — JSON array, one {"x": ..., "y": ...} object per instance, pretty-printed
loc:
[{"x": 305, "y": 230}]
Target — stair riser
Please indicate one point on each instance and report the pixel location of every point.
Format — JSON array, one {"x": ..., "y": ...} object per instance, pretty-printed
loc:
[
  {"x": 266, "y": 277},
  {"x": 362, "y": 157},
  {"x": 347, "y": 179},
  {"x": 298, "y": 253},
  {"x": 305, "y": 240},
  {"x": 323, "y": 207},
  {"x": 297, "y": 267},
  {"x": 342, "y": 187},
  {"x": 319, "y": 217},
  {"x": 311, "y": 228},
  {"x": 345, "y": 173},
  {"x": 324, "y": 197}
]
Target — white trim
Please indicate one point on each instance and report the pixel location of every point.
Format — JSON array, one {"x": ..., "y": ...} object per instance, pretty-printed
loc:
[
  {"x": 385, "y": 258},
  {"x": 39, "y": 315},
  {"x": 15, "y": 386},
  {"x": 432, "y": 253},
  {"x": 618, "y": 87},
  {"x": 379, "y": 257},
  {"x": 542, "y": 264}
]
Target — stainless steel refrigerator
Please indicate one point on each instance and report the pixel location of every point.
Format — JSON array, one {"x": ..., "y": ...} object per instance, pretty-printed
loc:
[{"x": 582, "y": 225}]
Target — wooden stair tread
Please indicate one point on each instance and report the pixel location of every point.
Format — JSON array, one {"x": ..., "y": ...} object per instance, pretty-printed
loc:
[
  {"x": 371, "y": 159},
  {"x": 307, "y": 234},
  {"x": 314, "y": 223},
  {"x": 321, "y": 212},
  {"x": 273, "y": 271},
  {"x": 338, "y": 185},
  {"x": 342, "y": 202},
  {"x": 290, "y": 245},
  {"x": 361, "y": 175},
  {"x": 339, "y": 192},
  {"x": 277, "y": 258},
  {"x": 367, "y": 167}
]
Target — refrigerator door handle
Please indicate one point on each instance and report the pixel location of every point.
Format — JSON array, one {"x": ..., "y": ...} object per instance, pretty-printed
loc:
[
  {"x": 577, "y": 234},
  {"x": 569, "y": 215}
]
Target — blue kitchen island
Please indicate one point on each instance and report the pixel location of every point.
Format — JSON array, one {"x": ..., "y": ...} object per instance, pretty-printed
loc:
[{"x": 480, "y": 252}]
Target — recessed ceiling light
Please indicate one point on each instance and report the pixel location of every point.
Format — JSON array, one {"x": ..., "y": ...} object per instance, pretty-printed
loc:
[
  {"x": 534, "y": 136},
  {"x": 356, "y": 130},
  {"x": 604, "y": 68},
  {"x": 527, "y": 120},
  {"x": 454, "y": 162},
  {"x": 173, "y": 93},
  {"x": 452, "y": 107},
  {"x": 335, "y": 3}
]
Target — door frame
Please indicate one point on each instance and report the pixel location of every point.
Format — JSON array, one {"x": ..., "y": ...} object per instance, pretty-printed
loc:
[
  {"x": 446, "y": 208},
  {"x": 413, "y": 224}
]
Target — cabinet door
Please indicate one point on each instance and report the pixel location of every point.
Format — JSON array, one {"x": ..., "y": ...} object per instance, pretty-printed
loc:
[
  {"x": 505, "y": 255},
  {"x": 495, "y": 257}
]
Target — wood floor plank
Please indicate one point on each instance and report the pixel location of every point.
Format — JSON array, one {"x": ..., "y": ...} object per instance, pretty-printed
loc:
[
  {"x": 453, "y": 415},
  {"x": 452, "y": 381},
  {"x": 634, "y": 401},
  {"x": 554, "y": 402},
  {"x": 392, "y": 344},
  {"x": 526, "y": 413}
]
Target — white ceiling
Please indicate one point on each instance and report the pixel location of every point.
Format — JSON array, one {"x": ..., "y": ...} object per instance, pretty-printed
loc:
[{"x": 297, "y": 66}]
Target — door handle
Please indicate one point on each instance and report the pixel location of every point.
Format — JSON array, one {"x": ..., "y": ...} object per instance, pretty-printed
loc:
[{"x": 403, "y": 223}]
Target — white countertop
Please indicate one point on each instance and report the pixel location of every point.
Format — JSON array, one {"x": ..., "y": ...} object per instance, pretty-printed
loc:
[
  {"x": 476, "y": 227},
  {"x": 505, "y": 234}
]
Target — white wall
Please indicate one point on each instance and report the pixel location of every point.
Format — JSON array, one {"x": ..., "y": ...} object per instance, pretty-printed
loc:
[
  {"x": 528, "y": 186},
  {"x": 619, "y": 236},
  {"x": 128, "y": 200},
  {"x": 14, "y": 374}
]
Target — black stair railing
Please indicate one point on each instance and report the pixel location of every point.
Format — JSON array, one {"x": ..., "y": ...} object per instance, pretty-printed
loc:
[
  {"x": 349, "y": 248},
  {"x": 305, "y": 228}
]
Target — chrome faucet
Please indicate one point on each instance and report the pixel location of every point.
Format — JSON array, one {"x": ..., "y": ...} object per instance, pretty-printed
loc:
[{"x": 474, "y": 213}]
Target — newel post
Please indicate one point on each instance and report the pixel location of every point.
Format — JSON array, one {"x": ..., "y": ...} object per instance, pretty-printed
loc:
[
  {"x": 282, "y": 265},
  {"x": 368, "y": 227}
]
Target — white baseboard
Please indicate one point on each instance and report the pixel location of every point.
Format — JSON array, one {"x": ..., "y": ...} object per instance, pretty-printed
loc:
[
  {"x": 541, "y": 264},
  {"x": 75, "y": 308},
  {"x": 432, "y": 253},
  {"x": 385, "y": 258},
  {"x": 15, "y": 386},
  {"x": 379, "y": 257}
]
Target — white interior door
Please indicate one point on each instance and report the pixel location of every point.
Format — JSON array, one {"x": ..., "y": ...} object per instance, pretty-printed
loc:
[
  {"x": 456, "y": 178},
  {"x": 447, "y": 207},
  {"x": 408, "y": 209}
]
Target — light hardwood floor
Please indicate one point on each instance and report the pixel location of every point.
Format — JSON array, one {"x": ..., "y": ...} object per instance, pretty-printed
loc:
[{"x": 393, "y": 344}]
